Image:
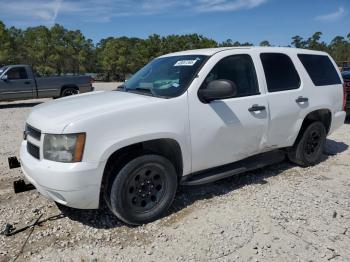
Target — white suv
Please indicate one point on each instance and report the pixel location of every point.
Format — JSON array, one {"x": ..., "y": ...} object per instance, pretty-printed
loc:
[{"x": 185, "y": 118}]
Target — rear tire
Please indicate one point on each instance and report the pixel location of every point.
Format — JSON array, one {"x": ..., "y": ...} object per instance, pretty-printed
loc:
[
  {"x": 308, "y": 148},
  {"x": 69, "y": 91},
  {"x": 142, "y": 190}
]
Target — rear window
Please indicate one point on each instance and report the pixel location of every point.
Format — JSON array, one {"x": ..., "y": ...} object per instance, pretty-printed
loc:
[{"x": 320, "y": 69}]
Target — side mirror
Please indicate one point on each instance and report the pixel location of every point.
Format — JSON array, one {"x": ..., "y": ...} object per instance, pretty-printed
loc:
[
  {"x": 4, "y": 78},
  {"x": 218, "y": 89}
]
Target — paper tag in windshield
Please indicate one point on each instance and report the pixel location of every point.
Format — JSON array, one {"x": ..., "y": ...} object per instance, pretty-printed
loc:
[{"x": 185, "y": 63}]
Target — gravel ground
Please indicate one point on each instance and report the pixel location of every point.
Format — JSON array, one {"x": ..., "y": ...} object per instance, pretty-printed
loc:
[{"x": 279, "y": 213}]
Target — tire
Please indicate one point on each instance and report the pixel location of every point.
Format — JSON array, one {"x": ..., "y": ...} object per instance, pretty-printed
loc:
[
  {"x": 69, "y": 91},
  {"x": 142, "y": 190},
  {"x": 308, "y": 148}
]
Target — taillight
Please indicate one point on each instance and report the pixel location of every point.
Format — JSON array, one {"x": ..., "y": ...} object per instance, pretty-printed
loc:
[{"x": 345, "y": 93}]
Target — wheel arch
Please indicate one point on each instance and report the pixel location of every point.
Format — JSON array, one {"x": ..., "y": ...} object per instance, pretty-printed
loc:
[
  {"x": 167, "y": 147},
  {"x": 68, "y": 86},
  {"x": 323, "y": 115}
]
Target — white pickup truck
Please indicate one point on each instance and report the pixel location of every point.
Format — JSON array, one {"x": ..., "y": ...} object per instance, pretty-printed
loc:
[{"x": 186, "y": 118}]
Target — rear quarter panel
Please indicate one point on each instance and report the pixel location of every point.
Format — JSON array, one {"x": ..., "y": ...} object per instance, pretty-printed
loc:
[
  {"x": 52, "y": 86},
  {"x": 320, "y": 97}
]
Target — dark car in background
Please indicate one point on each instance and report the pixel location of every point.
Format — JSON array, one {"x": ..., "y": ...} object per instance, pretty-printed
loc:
[
  {"x": 18, "y": 82},
  {"x": 346, "y": 77}
]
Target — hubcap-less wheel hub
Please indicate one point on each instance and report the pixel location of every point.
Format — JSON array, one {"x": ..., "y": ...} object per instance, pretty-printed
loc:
[
  {"x": 146, "y": 188},
  {"x": 312, "y": 143}
]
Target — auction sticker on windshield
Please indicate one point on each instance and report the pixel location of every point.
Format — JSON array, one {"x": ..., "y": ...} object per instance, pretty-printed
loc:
[{"x": 185, "y": 63}]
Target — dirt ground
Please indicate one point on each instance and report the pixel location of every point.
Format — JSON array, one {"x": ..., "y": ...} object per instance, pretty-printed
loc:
[{"x": 279, "y": 213}]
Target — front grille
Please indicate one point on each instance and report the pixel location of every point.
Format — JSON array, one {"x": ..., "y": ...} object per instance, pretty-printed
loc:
[
  {"x": 33, "y": 132},
  {"x": 33, "y": 150}
]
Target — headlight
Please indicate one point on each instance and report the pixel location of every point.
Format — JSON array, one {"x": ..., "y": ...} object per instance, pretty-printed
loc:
[{"x": 64, "y": 148}]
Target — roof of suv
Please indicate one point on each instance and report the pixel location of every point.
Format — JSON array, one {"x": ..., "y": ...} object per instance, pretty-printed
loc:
[{"x": 212, "y": 51}]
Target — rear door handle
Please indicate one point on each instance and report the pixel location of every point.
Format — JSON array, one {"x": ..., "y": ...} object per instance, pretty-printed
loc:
[
  {"x": 255, "y": 108},
  {"x": 301, "y": 99}
]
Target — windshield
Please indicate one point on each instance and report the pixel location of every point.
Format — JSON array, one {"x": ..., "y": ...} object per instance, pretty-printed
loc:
[
  {"x": 2, "y": 69},
  {"x": 165, "y": 77}
]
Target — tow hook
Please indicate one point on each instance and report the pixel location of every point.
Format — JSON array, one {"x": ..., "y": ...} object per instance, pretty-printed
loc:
[
  {"x": 10, "y": 230},
  {"x": 20, "y": 185},
  {"x": 13, "y": 162}
]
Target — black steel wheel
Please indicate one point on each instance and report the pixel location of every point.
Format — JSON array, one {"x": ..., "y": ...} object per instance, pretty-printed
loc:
[
  {"x": 312, "y": 143},
  {"x": 308, "y": 148},
  {"x": 145, "y": 188},
  {"x": 142, "y": 190}
]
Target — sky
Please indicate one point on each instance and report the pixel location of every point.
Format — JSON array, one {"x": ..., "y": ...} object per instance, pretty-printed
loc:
[{"x": 240, "y": 20}]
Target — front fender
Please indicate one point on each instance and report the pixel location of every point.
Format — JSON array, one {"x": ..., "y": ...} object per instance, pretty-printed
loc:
[{"x": 119, "y": 144}]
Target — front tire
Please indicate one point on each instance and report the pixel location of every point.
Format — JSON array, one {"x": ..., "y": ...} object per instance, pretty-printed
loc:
[
  {"x": 308, "y": 148},
  {"x": 142, "y": 190}
]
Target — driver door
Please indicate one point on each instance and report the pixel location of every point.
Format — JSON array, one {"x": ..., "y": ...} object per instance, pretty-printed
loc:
[
  {"x": 17, "y": 85},
  {"x": 228, "y": 130}
]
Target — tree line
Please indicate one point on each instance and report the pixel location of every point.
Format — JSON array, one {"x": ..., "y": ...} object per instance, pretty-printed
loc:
[{"x": 58, "y": 51}]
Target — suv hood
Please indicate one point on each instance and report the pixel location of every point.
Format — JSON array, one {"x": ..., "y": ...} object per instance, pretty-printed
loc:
[{"x": 54, "y": 116}]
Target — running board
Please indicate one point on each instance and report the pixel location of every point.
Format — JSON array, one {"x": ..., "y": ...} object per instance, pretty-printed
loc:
[{"x": 248, "y": 164}]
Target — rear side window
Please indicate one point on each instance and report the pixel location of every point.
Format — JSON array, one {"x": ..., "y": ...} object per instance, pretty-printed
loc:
[
  {"x": 320, "y": 69},
  {"x": 239, "y": 69},
  {"x": 280, "y": 72}
]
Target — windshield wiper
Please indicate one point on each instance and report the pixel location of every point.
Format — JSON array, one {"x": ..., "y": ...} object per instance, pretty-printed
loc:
[
  {"x": 121, "y": 87},
  {"x": 143, "y": 90}
]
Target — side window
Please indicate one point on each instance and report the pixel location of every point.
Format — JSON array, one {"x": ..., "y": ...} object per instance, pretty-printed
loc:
[
  {"x": 239, "y": 69},
  {"x": 17, "y": 73},
  {"x": 280, "y": 72},
  {"x": 320, "y": 69}
]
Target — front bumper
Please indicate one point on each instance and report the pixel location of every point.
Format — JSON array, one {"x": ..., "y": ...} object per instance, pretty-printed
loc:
[{"x": 75, "y": 185}]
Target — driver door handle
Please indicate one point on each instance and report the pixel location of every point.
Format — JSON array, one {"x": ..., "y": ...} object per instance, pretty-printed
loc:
[
  {"x": 27, "y": 82},
  {"x": 255, "y": 108},
  {"x": 301, "y": 99}
]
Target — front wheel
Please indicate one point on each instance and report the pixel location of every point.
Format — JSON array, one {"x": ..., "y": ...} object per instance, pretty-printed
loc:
[
  {"x": 142, "y": 190},
  {"x": 308, "y": 148}
]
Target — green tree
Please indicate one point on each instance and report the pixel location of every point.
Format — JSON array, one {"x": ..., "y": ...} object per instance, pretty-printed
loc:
[
  {"x": 57, "y": 50},
  {"x": 298, "y": 42},
  {"x": 5, "y": 44},
  {"x": 340, "y": 49},
  {"x": 265, "y": 43}
]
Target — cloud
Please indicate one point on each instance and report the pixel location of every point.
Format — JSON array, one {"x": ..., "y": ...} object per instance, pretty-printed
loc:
[
  {"x": 44, "y": 12},
  {"x": 227, "y": 5},
  {"x": 331, "y": 17},
  {"x": 26, "y": 13}
]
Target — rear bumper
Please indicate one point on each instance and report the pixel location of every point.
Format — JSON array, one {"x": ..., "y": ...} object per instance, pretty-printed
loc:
[
  {"x": 75, "y": 185},
  {"x": 337, "y": 121}
]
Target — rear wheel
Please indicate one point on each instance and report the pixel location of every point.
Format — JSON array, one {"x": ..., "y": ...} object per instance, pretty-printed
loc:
[
  {"x": 69, "y": 91},
  {"x": 308, "y": 148},
  {"x": 142, "y": 190}
]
